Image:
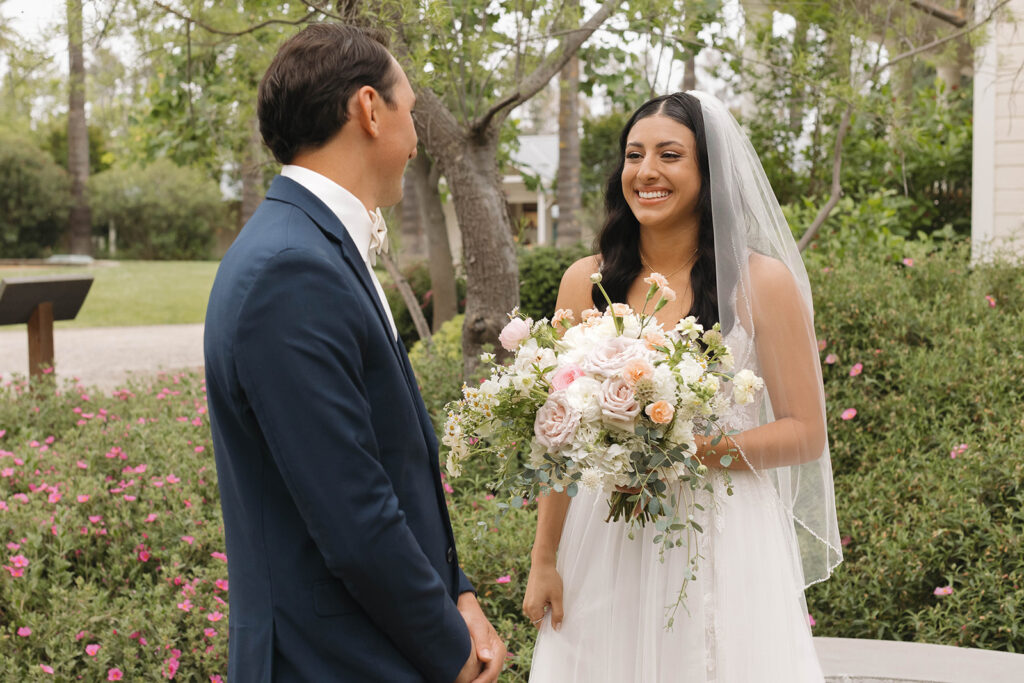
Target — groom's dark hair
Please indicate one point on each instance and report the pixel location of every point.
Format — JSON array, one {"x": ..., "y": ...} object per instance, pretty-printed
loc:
[{"x": 303, "y": 97}]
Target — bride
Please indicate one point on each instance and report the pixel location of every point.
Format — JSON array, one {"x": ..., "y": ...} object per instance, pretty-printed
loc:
[{"x": 690, "y": 200}]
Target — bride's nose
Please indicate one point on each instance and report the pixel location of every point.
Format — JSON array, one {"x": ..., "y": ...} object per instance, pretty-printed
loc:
[{"x": 647, "y": 170}]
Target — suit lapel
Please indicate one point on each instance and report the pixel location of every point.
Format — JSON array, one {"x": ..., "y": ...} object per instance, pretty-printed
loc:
[{"x": 287, "y": 190}]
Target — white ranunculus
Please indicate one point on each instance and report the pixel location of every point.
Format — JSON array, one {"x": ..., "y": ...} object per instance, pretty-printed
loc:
[
  {"x": 744, "y": 385},
  {"x": 582, "y": 395},
  {"x": 689, "y": 369},
  {"x": 664, "y": 384}
]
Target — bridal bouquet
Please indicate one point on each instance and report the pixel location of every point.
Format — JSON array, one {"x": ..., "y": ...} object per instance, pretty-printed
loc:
[{"x": 612, "y": 404}]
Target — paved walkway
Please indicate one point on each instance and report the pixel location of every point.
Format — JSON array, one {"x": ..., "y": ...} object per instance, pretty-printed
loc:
[{"x": 105, "y": 357}]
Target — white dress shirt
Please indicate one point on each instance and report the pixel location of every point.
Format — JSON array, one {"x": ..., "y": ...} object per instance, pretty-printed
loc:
[{"x": 363, "y": 226}]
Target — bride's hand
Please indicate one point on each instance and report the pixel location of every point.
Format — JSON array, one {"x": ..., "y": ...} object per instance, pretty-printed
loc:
[{"x": 543, "y": 592}]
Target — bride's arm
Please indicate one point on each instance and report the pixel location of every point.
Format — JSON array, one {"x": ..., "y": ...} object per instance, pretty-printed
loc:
[
  {"x": 788, "y": 355},
  {"x": 544, "y": 585}
]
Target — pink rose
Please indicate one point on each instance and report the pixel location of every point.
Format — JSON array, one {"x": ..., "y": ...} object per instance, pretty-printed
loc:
[
  {"x": 556, "y": 422},
  {"x": 610, "y": 357},
  {"x": 514, "y": 333},
  {"x": 566, "y": 376},
  {"x": 618, "y": 404}
]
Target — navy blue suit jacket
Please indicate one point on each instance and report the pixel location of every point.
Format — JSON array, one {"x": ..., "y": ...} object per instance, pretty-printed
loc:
[{"x": 341, "y": 558}]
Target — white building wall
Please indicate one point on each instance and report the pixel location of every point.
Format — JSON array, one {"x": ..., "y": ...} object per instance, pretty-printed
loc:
[{"x": 997, "y": 211}]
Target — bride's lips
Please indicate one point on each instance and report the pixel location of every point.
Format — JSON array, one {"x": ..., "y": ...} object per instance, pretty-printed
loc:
[{"x": 663, "y": 192}]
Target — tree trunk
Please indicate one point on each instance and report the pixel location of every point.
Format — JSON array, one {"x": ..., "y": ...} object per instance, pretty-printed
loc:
[
  {"x": 489, "y": 254},
  {"x": 424, "y": 175},
  {"x": 690, "y": 75},
  {"x": 408, "y": 212},
  {"x": 79, "y": 220},
  {"x": 570, "y": 193},
  {"x": 252, "y": 173}
]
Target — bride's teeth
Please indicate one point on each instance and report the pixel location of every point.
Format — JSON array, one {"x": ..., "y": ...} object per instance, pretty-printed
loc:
[{"x": 652, "y": 195}]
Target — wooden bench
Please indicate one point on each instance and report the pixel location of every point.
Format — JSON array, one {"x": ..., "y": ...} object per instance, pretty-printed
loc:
[{"x": 38, "y": 301}]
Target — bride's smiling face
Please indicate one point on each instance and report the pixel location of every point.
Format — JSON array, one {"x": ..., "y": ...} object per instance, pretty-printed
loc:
[{"x": 660, "y": 177}]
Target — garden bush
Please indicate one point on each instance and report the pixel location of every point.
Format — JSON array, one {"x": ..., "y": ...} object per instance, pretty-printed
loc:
[
  {"x": 161, "y": 211},
  {"x": 35, "y": 197},
  {"x": 114, "y": 544}
]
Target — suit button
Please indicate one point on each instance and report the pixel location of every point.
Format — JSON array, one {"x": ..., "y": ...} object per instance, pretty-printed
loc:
[{"x": 451, "y": 554}]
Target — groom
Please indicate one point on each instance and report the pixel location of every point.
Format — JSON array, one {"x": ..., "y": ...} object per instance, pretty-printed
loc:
[{"x": 342, "y": 562}]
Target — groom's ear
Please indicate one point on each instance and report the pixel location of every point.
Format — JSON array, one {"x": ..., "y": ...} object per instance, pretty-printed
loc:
[{"x": 363, "y": 110}]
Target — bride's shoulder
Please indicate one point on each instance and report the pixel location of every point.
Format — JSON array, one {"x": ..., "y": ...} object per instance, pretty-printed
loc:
[
  {"x": 768, "y": 274},
  {"x": 574, "y": 292},
  {"x": 579, "y": 272}
]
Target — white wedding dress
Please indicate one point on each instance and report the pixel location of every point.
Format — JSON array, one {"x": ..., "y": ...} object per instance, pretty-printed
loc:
[{"x": 744, "y": 619}]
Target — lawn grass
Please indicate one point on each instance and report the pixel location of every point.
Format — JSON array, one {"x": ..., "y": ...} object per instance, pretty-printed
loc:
[{"x": 128, "y": 293}]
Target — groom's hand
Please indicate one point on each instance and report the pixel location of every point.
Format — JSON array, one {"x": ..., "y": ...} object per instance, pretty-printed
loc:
[{"x": 487, "y": 645}]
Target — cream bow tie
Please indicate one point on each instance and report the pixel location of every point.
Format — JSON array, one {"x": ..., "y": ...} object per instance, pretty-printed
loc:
[{"x": 378, "y": 236}]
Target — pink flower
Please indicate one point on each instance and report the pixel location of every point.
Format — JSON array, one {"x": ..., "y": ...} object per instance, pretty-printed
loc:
[
  {"x": 114, "y": 675},
  {"x": 565, "y": 376},
  {"x": 958, "y": 450},
  {"x": 660, "y": 412},
  {"x": 170, "y": 667},
  {"x": 47, "y": 669},
  {"x": 82, "y": 465},
  {"x": 617, "y": 401},
  {"x": 214, "y": 616},
  {"x": 943, "y": 590},
  {"x": 448, "y": 488},
  {"x": 556, "y": 422},
  {"x": 515, "y": 333},
  {"x": 219, "y": 556},
  {"x": 849, "y": 414},
  {"x": 24, "y": 631},
  {"x": 222, "y": 584},
  {"x": 991, "y": 300},
  {"x": 908, "y": 262},
  {"x": 151, "y": 517},
  {"x": 171, "y": 479},
  {"x": 92, "y": 649},
  {"x": 13, "y": 546},
  {"x": 636, "y": 370},
  {"x": 185, "y": 606},
  {"x": 810, "y": 619},
  {"x": 95, "y": 519},
  {"x": 144, "y": 556},
  {"x": 503, "y": 579},
  {"x": 657, "y": 279},
  {"x": 831, "y": 359},
  {"x": 214, "y": 678},
  {"x": 19, "y": 561},
  {"x": 822, "y": 343},
  {"x": 209, "y": 632},
  {"x": 856, "y": 369},
  {"x": 83, "y": 498},
  {"x": 188, "y": 539},
  {"x": 7, "y": 472}
]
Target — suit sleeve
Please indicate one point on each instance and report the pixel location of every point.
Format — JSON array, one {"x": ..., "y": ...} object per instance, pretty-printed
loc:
[
  {"x": 299, "y": 354},
  {"x": 464, "y": 585}
]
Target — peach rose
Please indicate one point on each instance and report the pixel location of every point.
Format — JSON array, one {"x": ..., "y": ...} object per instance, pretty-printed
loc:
[
  {"x": 653, "y": 338},
  {"x": 637, "y": 370},
  {"x": 660, "y": 412}
]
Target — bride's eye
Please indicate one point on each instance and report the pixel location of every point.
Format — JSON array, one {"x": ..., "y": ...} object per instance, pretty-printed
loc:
[
  {"x": 634, "y": 155},
  {"x": 671, "y": 156}
]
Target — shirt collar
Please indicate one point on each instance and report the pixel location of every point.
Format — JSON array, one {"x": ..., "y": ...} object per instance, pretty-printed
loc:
[{"x": 346, "y": 206}]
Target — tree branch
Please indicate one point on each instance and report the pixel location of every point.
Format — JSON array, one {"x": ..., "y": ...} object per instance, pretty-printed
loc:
[
  {"x": 539, "y": 77},
  {"x": 955, "y": 17},
  {"x": 844, "y": 125},
  {"x": 211, "y": 29},
  {"x": 408, "y": 296}
]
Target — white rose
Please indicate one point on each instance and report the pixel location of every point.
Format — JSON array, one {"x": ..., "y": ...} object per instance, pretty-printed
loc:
[{"x": 611, "y": 356}]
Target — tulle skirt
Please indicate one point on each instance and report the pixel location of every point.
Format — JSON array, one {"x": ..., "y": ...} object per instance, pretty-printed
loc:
[{"x": 743, "y": 621}]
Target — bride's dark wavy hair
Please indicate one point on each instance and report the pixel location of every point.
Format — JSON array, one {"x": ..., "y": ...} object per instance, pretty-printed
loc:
[{"x": 619, "y": 241}]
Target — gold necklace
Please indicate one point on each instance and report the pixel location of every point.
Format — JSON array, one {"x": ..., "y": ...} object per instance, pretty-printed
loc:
[{"x": 646, "y": 265}]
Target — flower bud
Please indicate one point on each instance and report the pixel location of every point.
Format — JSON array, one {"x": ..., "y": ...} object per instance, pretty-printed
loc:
[{"x": 595, "y": 278}]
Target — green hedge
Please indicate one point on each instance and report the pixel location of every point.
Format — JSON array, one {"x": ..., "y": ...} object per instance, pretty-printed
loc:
[{"x": 35, "y": 197}]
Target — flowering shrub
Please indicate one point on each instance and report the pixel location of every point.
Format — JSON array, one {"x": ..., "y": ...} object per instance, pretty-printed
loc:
[{"x": 113, "y": 565}]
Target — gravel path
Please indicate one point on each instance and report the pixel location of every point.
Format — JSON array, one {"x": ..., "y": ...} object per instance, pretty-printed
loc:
[{"x": 105, "y": 357}]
